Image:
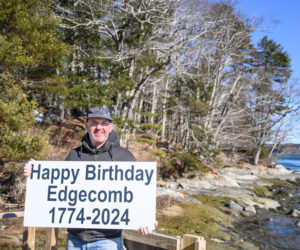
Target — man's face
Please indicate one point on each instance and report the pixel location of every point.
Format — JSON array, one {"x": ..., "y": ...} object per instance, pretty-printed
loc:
[{"x": 98, "y": 130}]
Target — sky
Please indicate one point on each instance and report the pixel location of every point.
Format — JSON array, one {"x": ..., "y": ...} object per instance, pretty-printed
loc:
[{"x": 285, "y": 31}]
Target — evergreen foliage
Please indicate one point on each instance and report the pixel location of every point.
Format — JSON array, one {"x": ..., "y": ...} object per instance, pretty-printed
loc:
[
  {"x": 16, "y": 120},
  {"x": 30, "y": 40},
  {"x": 150, "y": 126},
  {"x": 178, "y": 162},
  {"x": 272, "y": 65},
  {"x": 160, "y": 153},
  {"x": 31, "y": 52},
  {"x": 190, "y": 162},
  {"x": 146, "y": 140}
]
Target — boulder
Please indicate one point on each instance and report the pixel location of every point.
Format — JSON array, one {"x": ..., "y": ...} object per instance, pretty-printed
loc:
[
  {"x": 246, "y": 213},
  {"x": 250, "y": 209},
  {"x": 234, "y": 206},
  {"x": 261, "y": 202},
  {"x": 295, "y": 213},
  {"x": 267, "y": 203}
]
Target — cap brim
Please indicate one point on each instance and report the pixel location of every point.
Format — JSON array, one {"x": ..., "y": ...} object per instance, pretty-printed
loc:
[{"x": 99, "y": 116}]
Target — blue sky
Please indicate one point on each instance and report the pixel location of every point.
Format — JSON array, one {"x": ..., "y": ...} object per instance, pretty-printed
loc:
[{"x": 285, "y": 32}]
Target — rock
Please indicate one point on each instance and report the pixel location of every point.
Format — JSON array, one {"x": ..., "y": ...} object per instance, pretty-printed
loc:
[
  {"x": 188, "y": 198},
  {"x": 261, "y": 202},
  {"x": 284, "y": 210},
  {"x": 250, "y": 202},
  {"x": 175, "y": 195},
  {"x": 234, "y": 206},
  {"x": 172, "y": 185},
  {"x": 298, "y": 224},
  {"x": 217, "y": 240},
  {"x": 192, "y": 185},
  {"x": 225, "y": 179},
  {"x": 282, "y": 169},
  {"x": 295, "y": 213},
  {"x": 267, "y": 203},
  {"x": 11, "y": 214},
  {"x": 4, "y": 227},
  {"x": 161, "y": 229},
  {"x": 246, "y": 245},
  {"x": 161, "y": 184},
  {"x": 171, "y": 193},
  {"x": 246, "y": 213},
  {"x": 250, "y": 209}
]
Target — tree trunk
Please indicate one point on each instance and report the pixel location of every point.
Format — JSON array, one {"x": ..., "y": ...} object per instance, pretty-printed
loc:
[
  {"x": 154, "y": 103},
  {"x": 164, "y": 118},
  {"x": 138, "y": 116},
  {"x": 257, "y": 154}
]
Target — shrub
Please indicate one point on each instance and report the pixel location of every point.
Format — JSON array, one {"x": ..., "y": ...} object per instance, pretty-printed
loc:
[
  {"x": 157, "y": 152},
  {"x": 16, "y": 119},
  {"x": 264, "y": 153},
  {"x": 145, "y": 140},
  {"x": 190, "y": 162},
  {"x": 150, "y": 126}
]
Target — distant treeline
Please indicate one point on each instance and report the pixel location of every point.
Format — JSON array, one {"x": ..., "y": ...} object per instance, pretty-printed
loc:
[
  {"x": 288, "y": 149},
  {"x": 181, "y": 72}
]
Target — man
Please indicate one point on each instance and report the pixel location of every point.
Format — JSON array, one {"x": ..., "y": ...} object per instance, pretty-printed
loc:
[{"x": 100, "y": 143}]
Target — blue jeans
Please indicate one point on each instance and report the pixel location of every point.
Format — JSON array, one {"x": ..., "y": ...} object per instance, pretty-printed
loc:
[{"x": 74, "y": 243}]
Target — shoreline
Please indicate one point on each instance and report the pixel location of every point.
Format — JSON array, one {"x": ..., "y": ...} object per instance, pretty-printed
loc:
[
  {"x": 257, "y": 199},
  {"x": 275, "y": 228}
]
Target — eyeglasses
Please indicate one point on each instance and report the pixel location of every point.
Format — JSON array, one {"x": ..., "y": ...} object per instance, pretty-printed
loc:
[{"x": 102, "y": 123}]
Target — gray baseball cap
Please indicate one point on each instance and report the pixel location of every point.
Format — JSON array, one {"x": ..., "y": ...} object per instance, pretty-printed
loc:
[{"x": 99, "y": 112}]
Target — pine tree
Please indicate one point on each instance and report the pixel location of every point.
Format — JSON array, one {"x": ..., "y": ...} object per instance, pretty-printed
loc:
[
  {"x": 30, "y": 43},
  {"x": 273, "y": 69},
  {"x": 17, "y": 140},
  {"x": 31, "y": 51}
]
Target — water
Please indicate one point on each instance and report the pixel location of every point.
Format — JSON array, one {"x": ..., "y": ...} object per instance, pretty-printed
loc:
[
  {"x": 287, "y": 234},
  {"x": 291, "y": 161}
]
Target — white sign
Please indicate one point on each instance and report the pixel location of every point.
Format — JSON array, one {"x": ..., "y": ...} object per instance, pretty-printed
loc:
[{"x": 91, "y": 194}]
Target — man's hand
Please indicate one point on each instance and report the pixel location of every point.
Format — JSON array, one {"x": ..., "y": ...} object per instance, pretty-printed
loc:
[
  {"x": 146, "y": 230},
  {"x": 27, "y": 169}
]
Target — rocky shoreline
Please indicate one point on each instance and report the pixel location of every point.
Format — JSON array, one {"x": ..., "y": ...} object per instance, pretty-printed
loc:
[
  {"x": 251, "y": 207},
  {"x": 265, "y": 204},
  {"x": 274, "y": 228}
]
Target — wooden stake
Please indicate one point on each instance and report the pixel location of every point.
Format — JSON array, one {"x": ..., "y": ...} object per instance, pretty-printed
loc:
[
  {"x": 51, "y": 238},
  {"x": 28, "y": 238}
]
